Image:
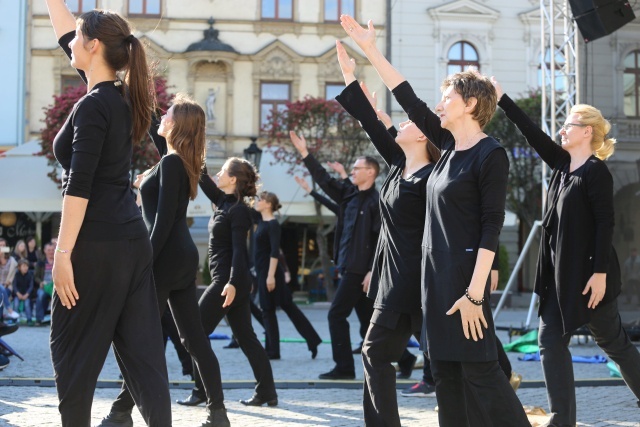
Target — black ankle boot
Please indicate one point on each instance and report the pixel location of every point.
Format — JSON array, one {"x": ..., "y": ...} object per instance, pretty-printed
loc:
[
  {"x": 117, "y": 419},
  {"x": 217, "y": 418}
]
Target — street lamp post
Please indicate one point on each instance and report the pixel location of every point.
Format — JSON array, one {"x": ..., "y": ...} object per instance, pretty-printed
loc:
[{"x": 253, "y": 153}]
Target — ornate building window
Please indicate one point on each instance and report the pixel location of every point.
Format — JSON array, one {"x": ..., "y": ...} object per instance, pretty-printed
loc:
[
  {"x": 81, "y": 6},
  {"x": 631, "y": 83},
  {"x": 144, "y": 7},
  {"x": 273, "y": 96},
  {"x": 277, "y": 9},
  {"x": 334, "y": 8},
  {"x": 462, "y": 55},
  {"x": 331, "y": 90}
]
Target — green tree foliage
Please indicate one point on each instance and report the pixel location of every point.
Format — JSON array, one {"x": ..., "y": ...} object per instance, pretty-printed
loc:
[
  {"x": 331, "y": 135},
  {"x": 524, "y": 190}
]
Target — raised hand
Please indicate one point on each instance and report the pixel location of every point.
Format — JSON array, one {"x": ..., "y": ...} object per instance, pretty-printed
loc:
[
  {"x": 365, "y": 38},
  {"x": 496, "y": 85},
  {"x": 339, "y": 168},
  {"x": 373, "y": 100},
  {"x": 303, "y": 183},
  {"x": 347, "y": 64},
  {"x": 299, "y": 143}
]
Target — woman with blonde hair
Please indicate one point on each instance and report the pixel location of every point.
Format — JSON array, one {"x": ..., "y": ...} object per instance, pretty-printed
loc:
[
  {"x": 165, "y": 192},
  {"x": 578, "y": 275},
  {"x": 20, "y": 250},
  {"x": 102, "y": 272}
]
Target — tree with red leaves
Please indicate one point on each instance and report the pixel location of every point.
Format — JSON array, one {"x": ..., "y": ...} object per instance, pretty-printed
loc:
[
  {"x": 332, "y": 135},
  {"x": 145, "y": 154}
]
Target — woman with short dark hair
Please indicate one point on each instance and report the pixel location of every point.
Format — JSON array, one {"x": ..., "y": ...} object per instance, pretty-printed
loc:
[{"x": 466, "y": 195}]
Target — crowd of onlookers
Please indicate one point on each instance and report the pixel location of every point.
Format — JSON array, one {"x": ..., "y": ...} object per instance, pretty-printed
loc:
[{"x": 26, "y": 279}]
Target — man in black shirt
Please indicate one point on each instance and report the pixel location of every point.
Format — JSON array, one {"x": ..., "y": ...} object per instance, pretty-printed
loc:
[{"x": 355, "y": 241}]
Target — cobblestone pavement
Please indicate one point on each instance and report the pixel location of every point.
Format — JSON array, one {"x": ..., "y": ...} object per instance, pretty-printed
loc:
[{"x": 311, "y": 403}]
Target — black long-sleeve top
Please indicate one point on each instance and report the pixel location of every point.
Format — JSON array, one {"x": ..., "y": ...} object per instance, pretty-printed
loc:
[
  {"x": 326, "y": 202},
  {"x": 165, "y": 198},
  {"x": 94, "y": 148},
  {"x": 476, "y": 214},
  {"x": 396, "y": 274},
  {"x": 228, "y": 230},
  {"x": 364, "y": 236},
  {"x": 577, "y": 226}
]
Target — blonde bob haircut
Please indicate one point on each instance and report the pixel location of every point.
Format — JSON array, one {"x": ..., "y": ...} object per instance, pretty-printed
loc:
[{"x": 602, "y": 146}]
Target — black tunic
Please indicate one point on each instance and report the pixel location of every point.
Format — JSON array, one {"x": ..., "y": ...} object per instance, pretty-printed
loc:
[
  {"x": 266, "y": 245},
  {"x": 577, "y": 228},
  {"x": 228, "y": 230},
  {"x": 466, "y": 196},
  {"x": 94, "y": 149},
  {"x": 165, "y": 197},
  {"x": 395, "y": 279}
]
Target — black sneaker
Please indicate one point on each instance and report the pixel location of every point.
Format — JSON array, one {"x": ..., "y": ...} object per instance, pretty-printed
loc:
[
  {"x": 6, "y": 329},
  {"x": 335, "y": 374},
  {"x": 421, "y": 389},
  {"x": 406, "y": 368},
  {"x": 4, "y": 361}
]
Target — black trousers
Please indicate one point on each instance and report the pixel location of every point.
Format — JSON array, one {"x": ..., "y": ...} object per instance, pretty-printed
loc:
[
  {"x": 385, "y": 342},
  {"x": 347, "y": 295},
  {"x": 170, "y": 332},
  {"x": 184, "y": 308},
  {"x": 297, "y": 317},
  {"x": 239, "y": 317},
  {"x": 557, "y": 367},
  {"x": 487, "y": 394},
  {"x": 117, "y": 305}
]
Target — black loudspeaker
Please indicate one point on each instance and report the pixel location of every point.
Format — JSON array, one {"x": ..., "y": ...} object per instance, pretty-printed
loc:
[{"x": 598, "y": 18}]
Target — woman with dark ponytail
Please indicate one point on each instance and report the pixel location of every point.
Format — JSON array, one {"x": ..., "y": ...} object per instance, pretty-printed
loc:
[
  {"x": 272, "y": 289},
  {"x": 104, "y": 289},
  {"x": 228, "y": 293}
]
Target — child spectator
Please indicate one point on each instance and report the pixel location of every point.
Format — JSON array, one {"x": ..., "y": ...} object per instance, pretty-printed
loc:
[{"x": 22, "y": 287}]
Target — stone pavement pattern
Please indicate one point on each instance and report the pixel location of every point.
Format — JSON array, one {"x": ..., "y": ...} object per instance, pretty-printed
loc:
[{"x": 31, "y": 406}]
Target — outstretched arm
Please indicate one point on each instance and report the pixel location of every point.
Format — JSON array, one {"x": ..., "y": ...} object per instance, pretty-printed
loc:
[
  {"x": 62, "y": 19},
  {"x": 366, "y": 39}
]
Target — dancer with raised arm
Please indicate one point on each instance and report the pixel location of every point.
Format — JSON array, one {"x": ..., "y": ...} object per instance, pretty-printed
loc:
[
  {"x": 578, "y": 274},
  {"x": 357, "y": 231},
  {"x": 466, "y": 195},
  {"x": 395, "y": 280},
  {"x": 229, "y": 291},
  {"x": 165, "y": 192},
  {"x": 104, "y": 289}
]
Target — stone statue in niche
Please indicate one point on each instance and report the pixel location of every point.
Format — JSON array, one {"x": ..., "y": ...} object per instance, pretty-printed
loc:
[{"x": 210, "y": 104}]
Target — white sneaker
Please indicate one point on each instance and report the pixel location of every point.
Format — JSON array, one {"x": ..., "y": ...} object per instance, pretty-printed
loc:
[{"x": 12, "y": 315}]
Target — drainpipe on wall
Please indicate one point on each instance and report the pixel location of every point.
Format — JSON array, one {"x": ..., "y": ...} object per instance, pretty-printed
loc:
[{"x": 388, "y": 51}]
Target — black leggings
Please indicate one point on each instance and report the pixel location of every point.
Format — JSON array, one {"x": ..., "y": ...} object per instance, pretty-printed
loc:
[
  {"x": 117, "y": 305},
  {"x": 184, "y": 308},
  {"x": 239, "y": 317}
]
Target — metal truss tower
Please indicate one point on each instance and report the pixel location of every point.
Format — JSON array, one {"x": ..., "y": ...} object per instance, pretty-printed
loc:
[
  {"x": 559, "y": 66},
  {"x": 560, "y": 86}
]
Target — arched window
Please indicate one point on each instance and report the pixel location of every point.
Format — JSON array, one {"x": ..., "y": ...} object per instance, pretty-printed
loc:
[
  {"x": 462, "y": 55},
  {"x": 631, "y": 82}
]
